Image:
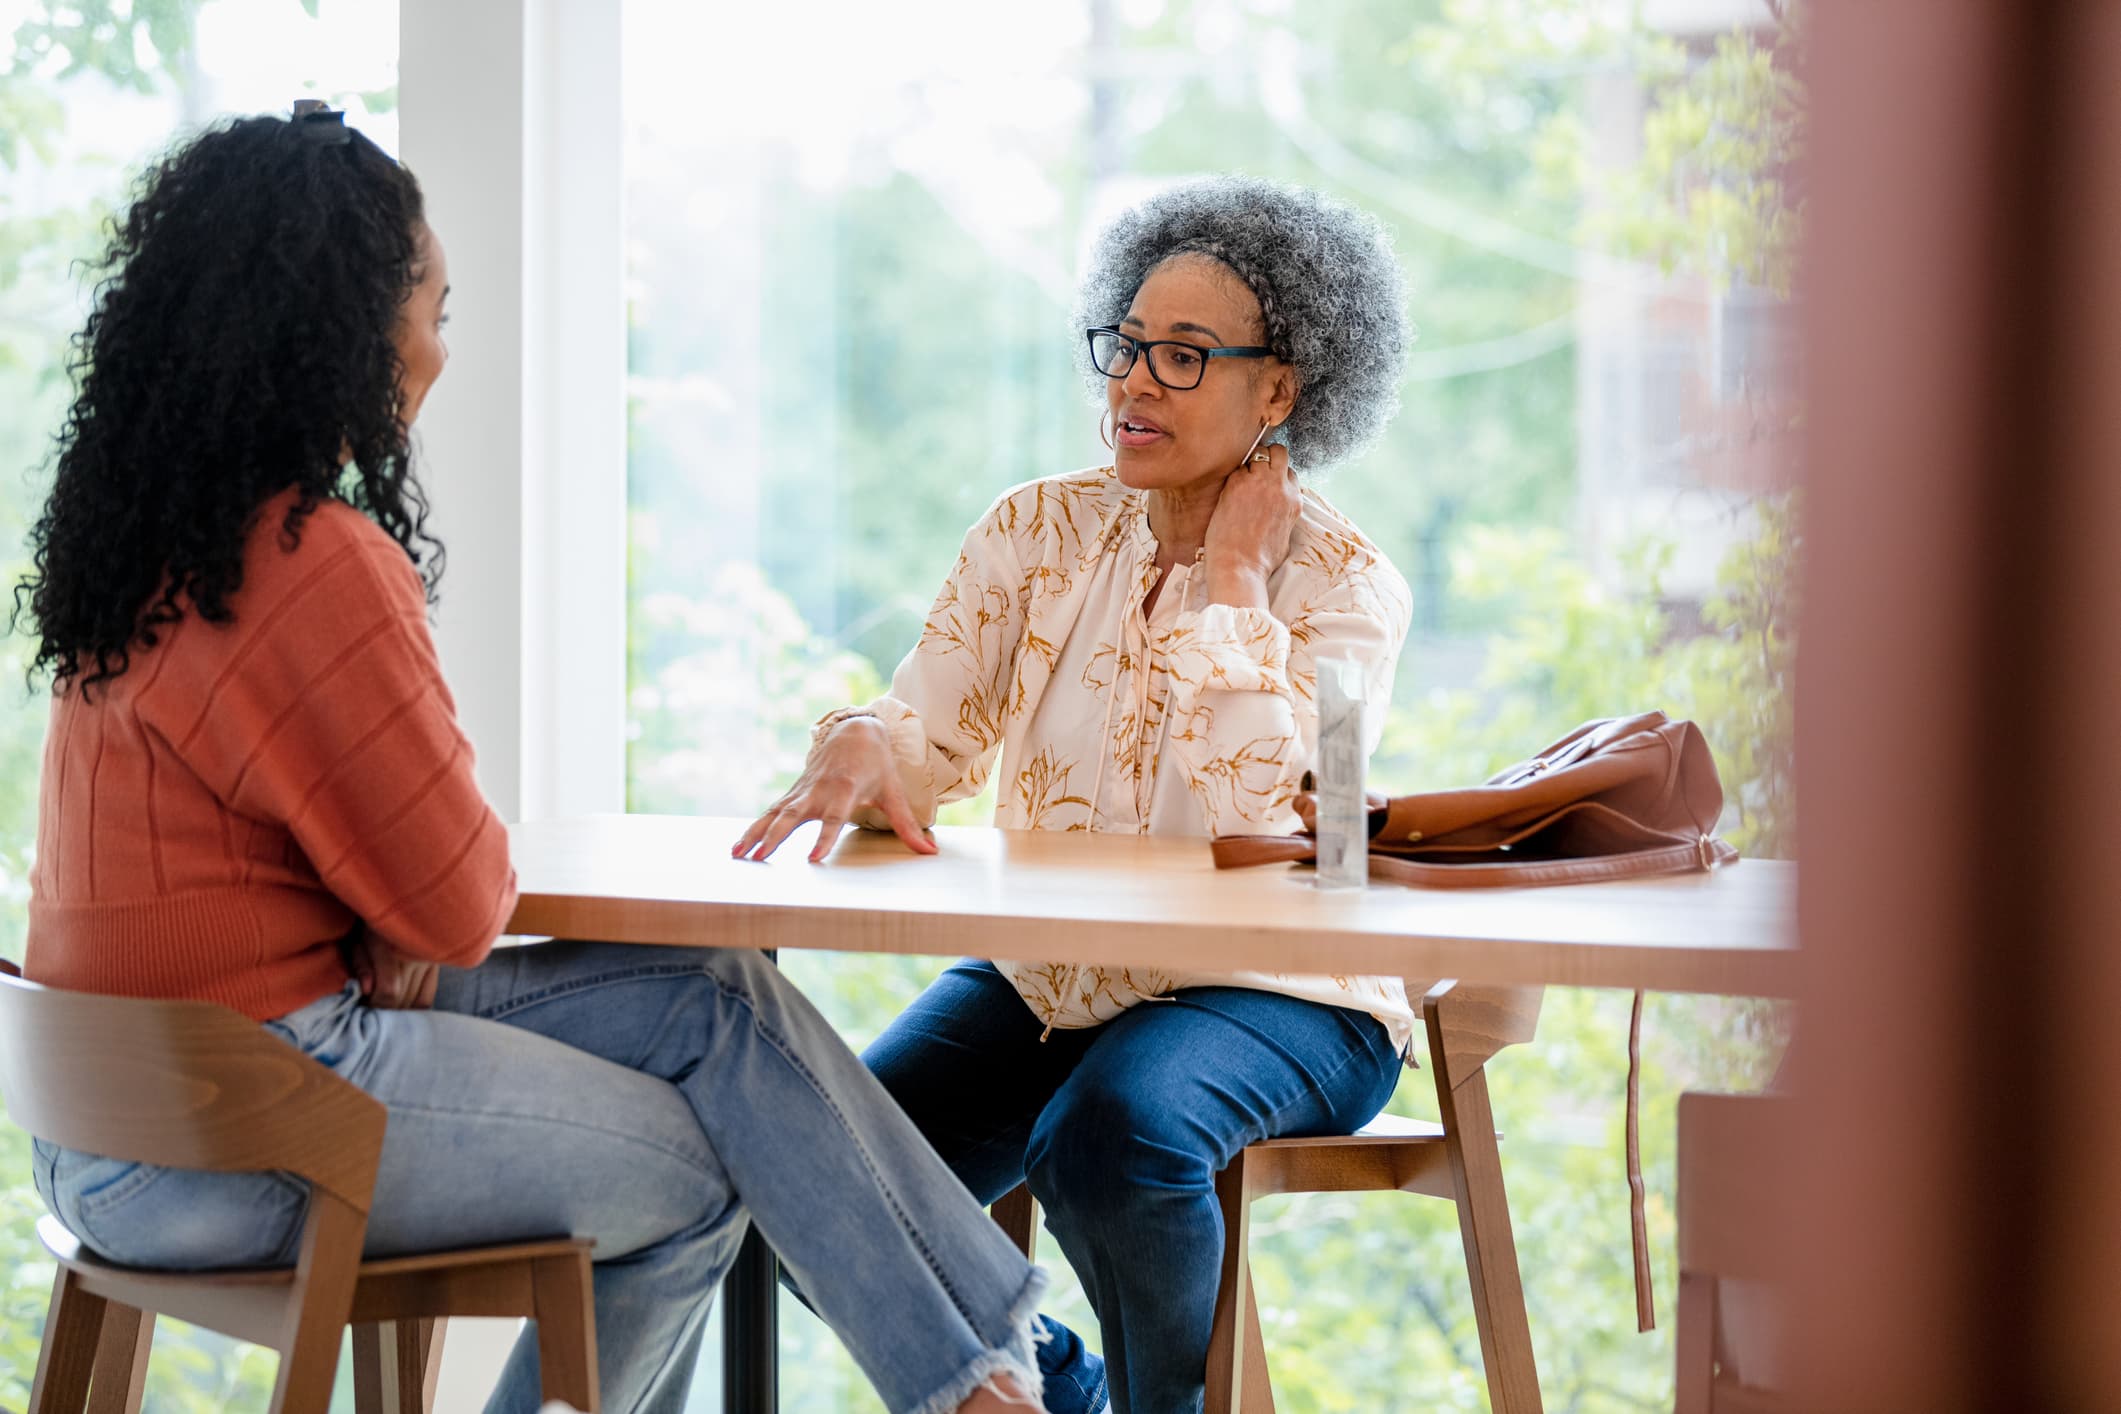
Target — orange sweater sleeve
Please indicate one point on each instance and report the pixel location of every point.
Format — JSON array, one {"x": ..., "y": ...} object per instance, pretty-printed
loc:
[{"x": 330, "y": 720}]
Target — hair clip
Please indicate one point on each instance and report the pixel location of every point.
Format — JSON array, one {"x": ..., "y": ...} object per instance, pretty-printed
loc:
[{"x": 320, "y": 122}]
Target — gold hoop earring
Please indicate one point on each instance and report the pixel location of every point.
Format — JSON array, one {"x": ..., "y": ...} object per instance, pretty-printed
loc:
[{"x": 1103, "y": 434}]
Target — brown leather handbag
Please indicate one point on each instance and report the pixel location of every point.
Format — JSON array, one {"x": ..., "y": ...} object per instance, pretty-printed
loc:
[{"x": 1617, "y": 798}]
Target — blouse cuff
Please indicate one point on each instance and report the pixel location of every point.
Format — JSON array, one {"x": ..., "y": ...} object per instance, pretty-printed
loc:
[
  {"x": 1229, "y": 648},
  {"x": 909, "y": 752}
]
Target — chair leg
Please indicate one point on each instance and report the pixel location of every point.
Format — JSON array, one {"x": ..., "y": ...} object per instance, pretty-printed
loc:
[
  {"x": 121, "y": 1360},
  {"x": 1259, "y": 1389},
  {"x": 395, "y": 1364},
  {"x": 1694, "y": 1382},
  {"x": 430, "y": 1364},
  {"x": 73, "y": 1323},
  {"x": 1491, "y": 1247},
  {"x": 318, "y": 1305},
  {"x": 1016, "y": 1212},
  {"x": 566, "y": 1317},
  {"x": 374, "y": 1369},
  {"x": 1233, "y": 1296}
]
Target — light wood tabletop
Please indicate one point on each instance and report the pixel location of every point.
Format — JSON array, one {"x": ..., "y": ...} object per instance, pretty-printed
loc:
[{"x": 1159, "y": 900}]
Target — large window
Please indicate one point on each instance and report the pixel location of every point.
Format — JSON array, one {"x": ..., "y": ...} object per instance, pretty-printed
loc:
[
  {"x": 89, "y": 90},
  {"x": 852, "y": 233}
]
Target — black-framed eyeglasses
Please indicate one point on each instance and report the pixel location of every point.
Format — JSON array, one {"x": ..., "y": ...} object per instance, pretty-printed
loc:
[{"x": 1172, "y": 362}]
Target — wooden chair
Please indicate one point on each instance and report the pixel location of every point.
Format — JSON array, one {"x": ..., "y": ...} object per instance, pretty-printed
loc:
[
  {"x": 1456, "y": 1159},
  {"x": 1730, "y": 1181},
  {"x": 189, "y": 1085}
]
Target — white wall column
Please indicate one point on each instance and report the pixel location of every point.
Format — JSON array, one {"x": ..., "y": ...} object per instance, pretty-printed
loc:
[
  {"x": 510, "y": 116},
  {"x": 574, "y": 366}
]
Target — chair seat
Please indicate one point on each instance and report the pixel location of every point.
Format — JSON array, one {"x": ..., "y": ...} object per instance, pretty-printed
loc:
[
  {"x": 1385, "y": 1129},
  {"x": 468, "y": 1281},
  {"x": 1391, "y": 1126},
  {"x": 67, "y": 1248}
]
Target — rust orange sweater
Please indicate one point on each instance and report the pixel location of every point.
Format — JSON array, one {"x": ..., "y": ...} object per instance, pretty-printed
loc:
[{"x": 213, "y": 821}]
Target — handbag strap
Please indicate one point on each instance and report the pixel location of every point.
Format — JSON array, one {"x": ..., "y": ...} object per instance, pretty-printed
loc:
[
  {"x": 1638, "y": 1221},
  {"x": 1706, "y": 853},
  {"x": 1243, "y": 851}
]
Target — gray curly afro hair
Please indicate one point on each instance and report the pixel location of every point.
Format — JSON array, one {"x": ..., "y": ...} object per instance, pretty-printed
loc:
[{"x": 1326, "y": 281}]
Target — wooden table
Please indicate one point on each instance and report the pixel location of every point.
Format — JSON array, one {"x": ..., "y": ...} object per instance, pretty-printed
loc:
[
  {"x": 1123, "y": 898},
  {"x": 1049, "y": 897}
]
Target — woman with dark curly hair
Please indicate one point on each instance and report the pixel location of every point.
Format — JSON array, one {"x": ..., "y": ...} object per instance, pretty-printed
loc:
[
  {"x": 255, "y": 793},
  {"x": 1139, "y": 644}
]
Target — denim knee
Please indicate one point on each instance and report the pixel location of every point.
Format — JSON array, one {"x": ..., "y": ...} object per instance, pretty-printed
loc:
[
  {"x": 1102, "y": 1151},
  {"x": 745, "y": 970}
]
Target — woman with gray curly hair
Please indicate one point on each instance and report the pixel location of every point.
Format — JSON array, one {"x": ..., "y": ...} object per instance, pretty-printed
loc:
[{"x": 1137, "y": 644}]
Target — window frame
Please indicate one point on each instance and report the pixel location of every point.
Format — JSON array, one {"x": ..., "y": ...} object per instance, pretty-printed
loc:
[{"x": 510, "y": 113}]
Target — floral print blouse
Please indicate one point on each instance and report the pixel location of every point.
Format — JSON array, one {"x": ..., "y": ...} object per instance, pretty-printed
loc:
[{"x": 1194, "y": 719}]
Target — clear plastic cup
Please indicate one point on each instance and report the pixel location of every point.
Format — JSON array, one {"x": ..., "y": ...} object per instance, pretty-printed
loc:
[{"x": 1343, "y": 821}]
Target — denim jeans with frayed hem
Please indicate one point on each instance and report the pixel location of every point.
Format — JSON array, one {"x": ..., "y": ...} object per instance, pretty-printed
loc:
[
  {"x": 1120, "y": 1130},
  {"x": 657, "y": 1100}
]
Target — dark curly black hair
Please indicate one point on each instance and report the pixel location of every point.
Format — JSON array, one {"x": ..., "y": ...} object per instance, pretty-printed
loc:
[{"x": 240, "y": 344}]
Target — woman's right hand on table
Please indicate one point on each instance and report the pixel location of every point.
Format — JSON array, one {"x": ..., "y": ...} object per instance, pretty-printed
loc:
[{"x": 851, "y": 770}]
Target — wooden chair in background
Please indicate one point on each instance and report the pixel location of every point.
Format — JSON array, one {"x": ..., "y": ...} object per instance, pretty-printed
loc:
[
  {"x": 188, "y": 1085},
  {"x": 1457, "y": 1159},
  {"x": 1732, "y": 1155}
]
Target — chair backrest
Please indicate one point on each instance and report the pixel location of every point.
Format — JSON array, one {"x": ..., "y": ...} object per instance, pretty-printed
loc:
[
  {"x": 181, "y": 1084},
  {"x": 1734, "y": 1197},
  {"x": 1469, "y": 1023},
  {"x": 1733, "y": 1176}
]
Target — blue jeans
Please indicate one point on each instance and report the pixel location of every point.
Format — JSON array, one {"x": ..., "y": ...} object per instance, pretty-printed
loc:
[
  {"x": 1120, "y": 1130},
  {"x": 658, "y": 1100}
]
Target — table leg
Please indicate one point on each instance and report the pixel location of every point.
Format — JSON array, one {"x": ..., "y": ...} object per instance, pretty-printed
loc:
[
  {"x": 750, "y": 1334},
  {"x": 751, "y": 1296}
]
